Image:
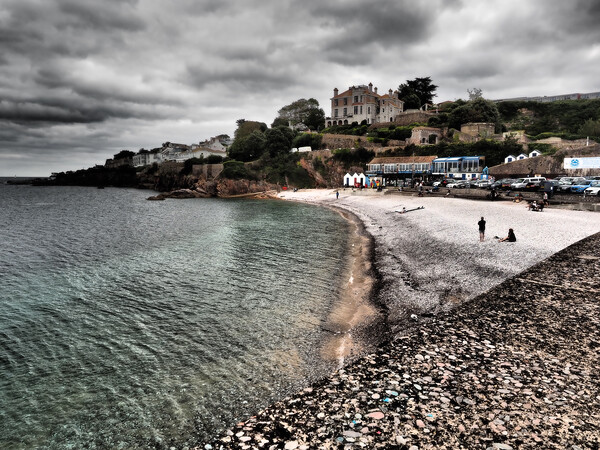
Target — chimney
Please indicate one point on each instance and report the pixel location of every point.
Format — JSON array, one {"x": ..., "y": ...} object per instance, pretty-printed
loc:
[
  {"x": 390, "y": 93},
  {"x": 370, "y": 87},
  {"x": 335, "y": 92},
  {"x": 376, "y": 90}
]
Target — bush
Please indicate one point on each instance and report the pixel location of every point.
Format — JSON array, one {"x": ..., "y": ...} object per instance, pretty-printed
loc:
[
  {"x": 214, "y": 159},
  {"x": 236, "y": 170}
]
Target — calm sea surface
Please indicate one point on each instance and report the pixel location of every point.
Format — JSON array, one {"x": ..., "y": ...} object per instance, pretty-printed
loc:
[{"x": 126, "y": 323}]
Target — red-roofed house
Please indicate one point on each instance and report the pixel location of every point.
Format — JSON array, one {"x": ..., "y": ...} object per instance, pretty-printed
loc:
[{"x": 363, "y": 103}]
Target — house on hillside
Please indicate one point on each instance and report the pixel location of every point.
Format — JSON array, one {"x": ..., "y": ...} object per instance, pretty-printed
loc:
[
  {"x": 363, "y": 103},
  {"x": 147, "y": 157},
  {"x": 510, "y": 158},
  {"x": 534, "y": 153},
  {"x": 425, "y": 136},
  {"x": 521, "y": 156}
]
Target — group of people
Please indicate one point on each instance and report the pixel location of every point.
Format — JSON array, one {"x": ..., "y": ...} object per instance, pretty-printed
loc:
[{"x": 509, "y": 238}]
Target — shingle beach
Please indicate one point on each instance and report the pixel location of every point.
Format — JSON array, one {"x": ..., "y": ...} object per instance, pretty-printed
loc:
[{"x": 491, "y": 345}]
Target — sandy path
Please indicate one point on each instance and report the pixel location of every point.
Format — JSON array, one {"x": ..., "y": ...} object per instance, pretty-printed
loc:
[{"x": 431, "y": 259}]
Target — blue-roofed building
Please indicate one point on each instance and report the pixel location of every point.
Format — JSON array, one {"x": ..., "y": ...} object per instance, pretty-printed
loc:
[
  {"x": 461, "y": 167},
  {"x": 394, "y": 170}
]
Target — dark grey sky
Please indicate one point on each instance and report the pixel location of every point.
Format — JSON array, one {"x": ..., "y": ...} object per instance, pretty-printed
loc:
[{"x": 81, "y": 80}]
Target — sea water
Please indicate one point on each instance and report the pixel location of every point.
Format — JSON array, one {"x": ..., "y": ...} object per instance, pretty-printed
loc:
[{"x": 127, "y": 323}]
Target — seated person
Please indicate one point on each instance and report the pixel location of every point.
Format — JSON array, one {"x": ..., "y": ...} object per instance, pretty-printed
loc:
[{"x": 510, "y": 238}]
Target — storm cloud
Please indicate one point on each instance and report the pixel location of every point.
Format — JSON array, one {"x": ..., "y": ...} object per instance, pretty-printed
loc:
[{"x": 81, "y": 80}]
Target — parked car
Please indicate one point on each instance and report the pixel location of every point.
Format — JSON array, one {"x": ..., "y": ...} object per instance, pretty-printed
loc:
[
  {"x": 507, "y": 183},
  {"x": 550, "y": 186},
  {"x": 582, "y": 186},
  {"x": 521, "y": 183},
  {"x": 483, "y": 184},
  {"x": 564, "y": 186},
  {"x": 594, "y": 190},
  {"x": 458, "y": 184}
]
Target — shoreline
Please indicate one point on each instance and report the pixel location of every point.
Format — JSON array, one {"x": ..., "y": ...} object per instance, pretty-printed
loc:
[
  {"x": 420, "y": 259},
  {"x": 356, "y": 312}
]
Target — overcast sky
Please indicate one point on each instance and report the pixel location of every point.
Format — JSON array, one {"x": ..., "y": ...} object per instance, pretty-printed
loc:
[{"x": 81, "y": 80}]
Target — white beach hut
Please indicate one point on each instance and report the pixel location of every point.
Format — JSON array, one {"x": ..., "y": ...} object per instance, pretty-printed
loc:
[
  {"x": 509, "y": 158},
  {"x": 534, "y": 153},
  {"x": 522, "y": 156},
  {"x": 357, "y": 179}
]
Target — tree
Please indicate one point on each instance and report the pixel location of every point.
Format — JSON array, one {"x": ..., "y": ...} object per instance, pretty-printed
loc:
[
  {"x": 276, "y": 142},
  {"x": 247, "y": 127},
  {"x": 478, "y": 110},
  {"x": 279, "y": 122},
  {"x": 590, "y": 128},
  {"x": 303, "y": 111},
  {"x": 422, "y": 88},
  {"x": 248, "y": 148},
  {"x": 124, "y": 154},
  {"x": 475, "y": 93},
  {"x": 315, "y": 120}
]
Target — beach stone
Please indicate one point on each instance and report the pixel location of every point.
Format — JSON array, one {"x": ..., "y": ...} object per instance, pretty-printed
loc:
[
  {"x": 351, "y": 434},
  {"x": 291, "y": 445},
  {"x": 376, "y": 415},
  {"x": 498, "y": 446}
]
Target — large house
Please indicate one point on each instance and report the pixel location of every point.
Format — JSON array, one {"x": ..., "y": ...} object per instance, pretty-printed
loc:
[{"x": 363, "y": 103}]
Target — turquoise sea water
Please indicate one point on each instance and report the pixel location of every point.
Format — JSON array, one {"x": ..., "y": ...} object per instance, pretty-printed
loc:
[{"x": 126, "y": 323}]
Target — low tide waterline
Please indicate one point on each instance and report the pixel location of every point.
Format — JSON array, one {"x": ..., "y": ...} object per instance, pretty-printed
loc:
[{"x": 127, "y": 323}]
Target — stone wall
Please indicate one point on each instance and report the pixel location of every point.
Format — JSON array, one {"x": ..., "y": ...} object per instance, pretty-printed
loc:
[
  {"x": 408, "y": 117},
  {"x": 208, "y": 171}
]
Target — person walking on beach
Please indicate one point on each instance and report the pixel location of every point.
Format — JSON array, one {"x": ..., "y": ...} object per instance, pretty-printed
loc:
[
  {"x": 481, "y": 224},
  {"x": 337, "y": 194}
]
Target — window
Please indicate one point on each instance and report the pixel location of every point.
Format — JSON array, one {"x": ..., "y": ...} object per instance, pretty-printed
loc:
[
  {"x": 345, "y": 101},
  {"x": 335, "y": 113},
  {"x": 345, "y": 111},
  {"x": 335, "y": 102},
  {"x": 361, "y": 109},
  {"x": 356, "y": 99},
  {"x": 368, "y": 110}
]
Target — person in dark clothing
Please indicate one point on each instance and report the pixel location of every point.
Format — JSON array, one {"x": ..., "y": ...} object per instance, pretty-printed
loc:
[
  {"x": 510, "y": 238},
  {"x": 481, "y": 224}
]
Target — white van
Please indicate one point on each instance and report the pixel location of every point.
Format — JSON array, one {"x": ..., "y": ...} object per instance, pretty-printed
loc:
[{"x": 522, "y": 182}]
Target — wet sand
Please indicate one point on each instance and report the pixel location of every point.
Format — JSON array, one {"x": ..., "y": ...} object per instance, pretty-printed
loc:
[{"x": 354, "y": 311}]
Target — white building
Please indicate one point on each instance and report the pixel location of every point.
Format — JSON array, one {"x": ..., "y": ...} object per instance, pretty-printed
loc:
[
  {"x": 510, "y": 158},
  {"x": 534, "y": 153},
  {"x": 145, "y": 158},
  {"x": 363, "y": 103},
  {"x": 521, "y": 156},
  {"x": 201, "y": 152},
  {"x": 358, "y": 179}
]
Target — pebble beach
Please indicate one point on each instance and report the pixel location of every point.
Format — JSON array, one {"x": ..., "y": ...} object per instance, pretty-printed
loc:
[{"x": 488, "y": 344}]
